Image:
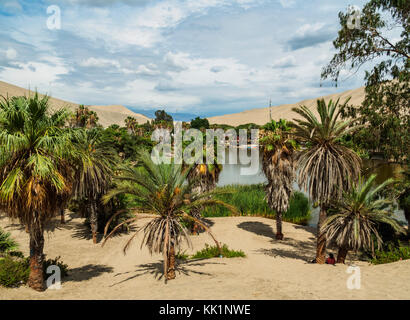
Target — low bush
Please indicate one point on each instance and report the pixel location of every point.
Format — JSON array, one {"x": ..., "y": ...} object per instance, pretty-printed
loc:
[
  {"x": 213, "y": 252},
  {"x": 8, "y": 246},
  {"x": 13, "y": 271},
  {"x": 250, "y": 201},
  {"x": 391, "y": 254},
  {"x": 56, "y": 262}
]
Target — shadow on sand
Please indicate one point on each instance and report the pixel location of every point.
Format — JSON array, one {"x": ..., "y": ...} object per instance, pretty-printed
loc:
[
  {"x": 289, "y": 248},
  {"x": 259, "y": 228},
  {"x": 87, "y": 272},
  {"x": 157, "y": 269}
]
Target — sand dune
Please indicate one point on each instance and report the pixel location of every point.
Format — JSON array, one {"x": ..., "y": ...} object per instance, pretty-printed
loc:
[
  {"x": 271, "y": 270},
  {"x": 109, "y": 114},
  {"x": 261, "y": 116}
]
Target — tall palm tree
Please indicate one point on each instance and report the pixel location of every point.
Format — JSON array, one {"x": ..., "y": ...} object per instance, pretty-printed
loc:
[
  {"x": 34, "y": 169},
  {"x": 278, "y": 166},
  {"x": 94, "y": 169},
  {"x": 162, "y": 190},
  {"x": 357, "y": 214},
  {"x": 325, "y": 165}
]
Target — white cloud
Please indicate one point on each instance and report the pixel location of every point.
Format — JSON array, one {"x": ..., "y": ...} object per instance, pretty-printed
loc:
[
  {"x": 309, "y": 29},
  {"x": 11, "y": 6},
  {"x": 99, "y": 63},
  {"x": 149, "y": 70},
  {"x": 11, "y": 54},
  {"x": 35, "y": 74},
  {"x": 285, "y": 62},
  {"x": 287, "y": 3}
]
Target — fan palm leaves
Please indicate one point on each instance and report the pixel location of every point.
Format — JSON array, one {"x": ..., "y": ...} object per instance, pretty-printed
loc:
[
  {"x": 35, "y": 171},
  {"x": 94, "y": 168},
  {"x": 278, "y": 166},
  {"x": 324, "y": 164},
  {"x": 131, "y": 124},
  {"x": 358, "y": 212},
  {"x": 204, "y": 178},
  {"x": 163, "y": 190}
]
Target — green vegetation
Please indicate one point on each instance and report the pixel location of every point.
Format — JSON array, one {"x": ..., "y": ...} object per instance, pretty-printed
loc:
[
  {"x": 249, "y": 200},
  {"x": 384, "y": 111},
  {"x": 325, "y": 165},
  {"x": 56, "y": 262},
  {"x": 391, "y": 254},
  {"x": 213, "y": 252},
  {"x": 13, "y": 272},
  {"x": 15, "y": 268},
  {"x": 162, "y": 116},
  {"x": 199, "y": 123},
  {"x": 278, "y": 164},
  {"x": 8, "y": 246},
  {"x": 355, "y": 217},
  {"x": 162, "y": 190}
]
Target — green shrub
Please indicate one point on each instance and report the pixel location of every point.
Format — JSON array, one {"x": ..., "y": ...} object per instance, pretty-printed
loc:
[
  {"x": 182, "y": 256},
  {"x": 13, "y": 272},
  {"x": 299, "y": 209},
  {"x": 391, "y": 254},
  {"x": 213, "y": 252},
  {"x": 7, "y": 244},
  {"x": 49, "y": 262},
  {"x": 250, "y": 201}
]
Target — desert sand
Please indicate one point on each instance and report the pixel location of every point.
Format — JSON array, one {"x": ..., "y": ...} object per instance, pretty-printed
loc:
[
  {"x": 261, "y": 116},
  {"x": 271, "y": 270},
  {"x": 108, "y": 115}
]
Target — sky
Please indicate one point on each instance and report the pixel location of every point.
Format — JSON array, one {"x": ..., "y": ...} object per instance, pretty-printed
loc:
[{"x": 202, "y": 57}]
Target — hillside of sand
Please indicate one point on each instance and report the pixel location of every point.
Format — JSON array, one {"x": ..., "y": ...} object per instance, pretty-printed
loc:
[
  {"x": 261, "y": 116},
  {"x": 272, "y": 269},
  {"x": 108, "y": 115}
]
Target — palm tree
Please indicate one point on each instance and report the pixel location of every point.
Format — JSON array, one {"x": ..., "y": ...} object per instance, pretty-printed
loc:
[
  {"x": 94, "y": 168},
  {"x": 358, "y": 212},
  {"x": 131, "y": 124},
  {"x": 204, "y": 178},
  {"x": 324, "y": 165},
  {"x": 162, "y": 190},
  {"x": 34, "y": 169},
  {"x": 84, "y": 118},
  {"x": 278, "y": 166}
]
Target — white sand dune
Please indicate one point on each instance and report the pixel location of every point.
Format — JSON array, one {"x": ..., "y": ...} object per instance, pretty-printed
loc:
[
  {"x": 271, "y": 270},
  {"x": 108, "y": 115},
  {"x": 261, "y": 116}
]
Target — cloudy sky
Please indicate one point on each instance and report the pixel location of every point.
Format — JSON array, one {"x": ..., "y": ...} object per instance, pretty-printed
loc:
[{"x": 204, "y": 57}]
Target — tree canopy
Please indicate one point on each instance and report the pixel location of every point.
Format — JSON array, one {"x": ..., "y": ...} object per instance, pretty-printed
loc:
[{"x": 382, "y": 41}]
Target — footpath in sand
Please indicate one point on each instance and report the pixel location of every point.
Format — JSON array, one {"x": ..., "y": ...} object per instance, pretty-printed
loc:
[{"x": 272, "y": 269}]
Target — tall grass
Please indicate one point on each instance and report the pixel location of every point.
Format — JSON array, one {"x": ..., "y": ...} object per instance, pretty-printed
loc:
[{"x": 250, "y": 201}]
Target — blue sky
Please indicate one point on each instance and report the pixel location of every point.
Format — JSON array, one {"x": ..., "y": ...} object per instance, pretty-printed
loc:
[{"x": 204, "y": 57}]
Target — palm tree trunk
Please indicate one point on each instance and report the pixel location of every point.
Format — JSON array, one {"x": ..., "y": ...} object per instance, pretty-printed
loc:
[
  {"x": 321, "y": 238},
  {"x": 36, "y": 278},
  {"x": 279, "y": 234},
  {"x": 171, "y": 263},
  {"x": 341, "y": 255},
  {"x": 93, "y": 221},
  {"x": 62, "y": 216}
]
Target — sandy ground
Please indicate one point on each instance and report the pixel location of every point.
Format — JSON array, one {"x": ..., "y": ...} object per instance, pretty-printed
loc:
[
  {"x": 108, "y": 115},
  {"x": 261, "y": 116},
  {"x": 271, "y": 270}
]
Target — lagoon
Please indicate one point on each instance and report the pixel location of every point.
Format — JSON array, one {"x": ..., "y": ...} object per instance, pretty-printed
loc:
[{"x": 231, "y": 174}]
